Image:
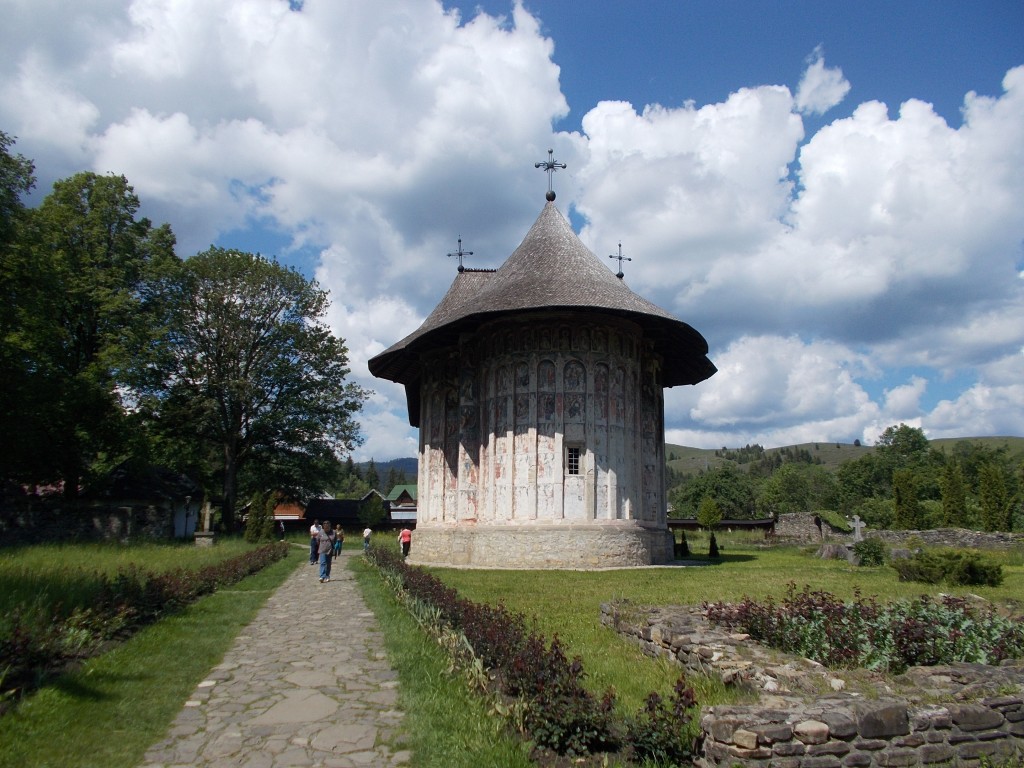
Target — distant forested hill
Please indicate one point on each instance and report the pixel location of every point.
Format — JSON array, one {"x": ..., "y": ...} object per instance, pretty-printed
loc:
[
  {"x": 690, "y": 461},
  {"x": 408, "y": 465}
]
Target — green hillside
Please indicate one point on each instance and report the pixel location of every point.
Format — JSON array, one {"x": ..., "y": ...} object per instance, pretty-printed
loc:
[{"x": 690, "y": 461}]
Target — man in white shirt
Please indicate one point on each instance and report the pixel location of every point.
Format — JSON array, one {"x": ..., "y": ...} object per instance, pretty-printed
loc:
[{"x": 314, "y": 534}]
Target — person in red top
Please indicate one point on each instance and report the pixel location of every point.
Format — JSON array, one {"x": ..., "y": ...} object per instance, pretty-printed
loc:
[{"x": 405, "y": 539}]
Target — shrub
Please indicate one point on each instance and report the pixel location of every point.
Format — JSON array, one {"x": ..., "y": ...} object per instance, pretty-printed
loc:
[
  {"x": 660, "y": 732},
  {"x": 862, "y": 633},
  {"x": 950, "y": 566},
  {"x": 870, "y": 552},
  {"x": 558, "y": 712}
]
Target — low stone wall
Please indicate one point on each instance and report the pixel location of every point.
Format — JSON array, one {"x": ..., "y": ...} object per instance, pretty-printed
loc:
[
  {"x": 805, "y": 717},
  {"x": 799, "y": 527},
  {"x": 957, "y": 538},
  {"x": 839, "y": 732}
]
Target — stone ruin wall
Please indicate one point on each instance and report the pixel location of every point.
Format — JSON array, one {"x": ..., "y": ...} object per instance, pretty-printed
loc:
[
  {"x": 794, "y": 725},
  {"x": 799, "y": 527}
]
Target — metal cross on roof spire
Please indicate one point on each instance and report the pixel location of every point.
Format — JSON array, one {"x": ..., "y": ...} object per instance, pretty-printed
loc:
[
  {"x": 621, "y": 259},
  {"x": 550, "y": 167},
  {"x": 460, "y": 254}
]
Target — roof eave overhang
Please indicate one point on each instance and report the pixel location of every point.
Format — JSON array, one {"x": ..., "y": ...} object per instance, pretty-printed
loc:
[{"x": 688, "y": 363}]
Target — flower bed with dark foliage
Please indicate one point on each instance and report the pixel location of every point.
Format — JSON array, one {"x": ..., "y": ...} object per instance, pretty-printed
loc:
[
  {"x": 35, "y": 644},
  {"x": 863, "y": 633},
  {"x": 541, "y": 688}
]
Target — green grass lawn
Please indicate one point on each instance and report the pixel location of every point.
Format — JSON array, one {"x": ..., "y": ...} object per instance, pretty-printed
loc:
[
  {"x": 448, "y": 726},
  {"x": 68, "y": 573},
  {"x": 567, "y": 603},
  {"x": 110, "y": 711},
  {"x": 106, "y": 714}
]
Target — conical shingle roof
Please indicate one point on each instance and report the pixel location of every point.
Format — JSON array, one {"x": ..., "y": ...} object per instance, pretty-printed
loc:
[{"x": 550, "y": 270}]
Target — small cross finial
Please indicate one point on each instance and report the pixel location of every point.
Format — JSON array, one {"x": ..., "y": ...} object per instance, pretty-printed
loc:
[
  {"x": 550, "y": 166},
  {"x": 460, "y": 254},
  {"x": 621, "y": 259}
]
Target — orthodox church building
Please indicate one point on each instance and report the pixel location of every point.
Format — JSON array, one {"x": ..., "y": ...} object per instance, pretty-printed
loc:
[{"x": 538, "y": 392}]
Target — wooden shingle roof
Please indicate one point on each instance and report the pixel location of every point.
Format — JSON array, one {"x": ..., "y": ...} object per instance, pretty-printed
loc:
[{"x": 550, "y": 270}]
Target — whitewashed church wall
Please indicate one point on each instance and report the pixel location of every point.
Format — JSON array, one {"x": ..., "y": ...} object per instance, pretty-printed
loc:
[{"x": 496, "y": 422}]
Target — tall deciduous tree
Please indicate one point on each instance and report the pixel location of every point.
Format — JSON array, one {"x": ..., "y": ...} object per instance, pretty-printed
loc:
[
  {"x": 80, "y": 320},
  {"x": 16, "y": 180},
  {"x": 732, "y": 489},
  {"x": 250, "y": 370},
  {"x": 902, "y": 446}
]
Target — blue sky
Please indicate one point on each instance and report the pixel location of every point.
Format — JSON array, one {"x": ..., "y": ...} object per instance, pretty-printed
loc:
[
  {"x": 828, "y": 191},
  {"x": 671, "y": 51}
]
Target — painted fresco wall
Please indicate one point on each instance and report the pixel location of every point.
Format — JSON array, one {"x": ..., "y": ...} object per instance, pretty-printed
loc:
[{"x": 500, "y": 410}]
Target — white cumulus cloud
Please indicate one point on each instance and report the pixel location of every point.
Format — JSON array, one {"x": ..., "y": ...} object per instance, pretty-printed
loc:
[{"x": 821, "y": 88}]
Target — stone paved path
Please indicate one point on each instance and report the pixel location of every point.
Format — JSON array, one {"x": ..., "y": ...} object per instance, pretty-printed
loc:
[{"x": 305, "y": 684}]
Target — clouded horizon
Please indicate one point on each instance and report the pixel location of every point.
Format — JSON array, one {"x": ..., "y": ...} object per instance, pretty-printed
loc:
[{"x": 853, "y": 264}]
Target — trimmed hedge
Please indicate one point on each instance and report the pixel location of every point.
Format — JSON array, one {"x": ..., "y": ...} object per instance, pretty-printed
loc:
[{"x": 548, "y": 700}]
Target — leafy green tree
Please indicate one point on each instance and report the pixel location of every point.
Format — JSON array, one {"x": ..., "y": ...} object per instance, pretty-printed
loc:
[
  {"x": 902, "y": 446},
  {"x": 797, "y": 487},
  {"x": 785, "y": 491},
  {"x": 732, "y": 489},
  {"x": 709, "y": 515},
  {"x": 993, "y": 498},
  {"x": 954, "y": 495},
  {"x": 80, "y": 321},
  {"x": 16, "y": 180},
  {"x": 352, "y": 488},
  {"x": 908, "y": 515},
  {"x": 860, "y": 480},
  {"x": 249, "y": 369},
  {"x": 876, "y": 512}
]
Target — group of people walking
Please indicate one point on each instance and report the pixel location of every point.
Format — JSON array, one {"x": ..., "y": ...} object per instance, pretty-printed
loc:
[
  {"x": 324, "y": 545},
  {"x": 404, "y": 540}
]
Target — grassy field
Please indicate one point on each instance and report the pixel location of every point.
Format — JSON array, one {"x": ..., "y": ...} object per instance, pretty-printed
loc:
[
  {"x": 68, "y": 574},
  {"x": 567, "y": 603},
  {"x": 447, "y": 725},
  {"x": 110, "y": 711},
  {"x": 106, "y": 714}
]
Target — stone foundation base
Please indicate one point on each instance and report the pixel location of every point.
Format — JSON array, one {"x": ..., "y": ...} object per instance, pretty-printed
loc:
[{"x": 575, "y": 546}]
